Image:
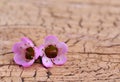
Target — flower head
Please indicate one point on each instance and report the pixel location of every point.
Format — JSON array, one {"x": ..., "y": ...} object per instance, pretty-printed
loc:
[
  {"x": 25, "y": 52},
  {"x": 53, "y": 51}
]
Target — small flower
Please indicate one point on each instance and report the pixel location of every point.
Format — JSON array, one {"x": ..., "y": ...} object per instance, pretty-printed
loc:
[
  {"x": 53, "y": 52},
  {"x": 25, "y": 52}
]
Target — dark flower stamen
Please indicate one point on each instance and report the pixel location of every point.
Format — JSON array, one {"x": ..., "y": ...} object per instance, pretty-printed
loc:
[
  {"x": 29, "y": 53},
  {"x": 51, "y": 51}
]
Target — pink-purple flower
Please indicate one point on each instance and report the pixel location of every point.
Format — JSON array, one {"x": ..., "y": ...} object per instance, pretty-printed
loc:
[
  {"x": 53, "y": 51},
  {"x": 25, "y": 52}
]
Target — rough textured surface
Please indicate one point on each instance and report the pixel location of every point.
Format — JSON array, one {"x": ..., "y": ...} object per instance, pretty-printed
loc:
[{"x": 89, "y": 27}]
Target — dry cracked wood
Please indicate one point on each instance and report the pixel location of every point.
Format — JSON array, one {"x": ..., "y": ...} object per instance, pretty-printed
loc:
[{"x": 89, "y": 27}]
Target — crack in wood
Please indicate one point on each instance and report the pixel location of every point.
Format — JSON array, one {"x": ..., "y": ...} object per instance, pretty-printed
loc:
[
  {"x": 69, "y": 75},
  {"x": 35, "y": 74},
  {"x": 48, "y": 74},
  {"x": 69, "y": 25},
  {"x": 21, "y": 73},
  {"x": 67, "y": 40},
  {"x": 1, "y": 65},
  {"x": 98, "y": 69},
  {"x": 109, "y": 46},
  {"x": 7, "y": 53},
  {"x": 22, "y": 79},
  {"x": 80, "y": 23},
  {"x": 98, "y": 53},
  {"x": 84, "y": 47}
]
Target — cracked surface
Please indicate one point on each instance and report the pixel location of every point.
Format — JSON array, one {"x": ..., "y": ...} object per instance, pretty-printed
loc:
[{"x": 90, "y": 29}]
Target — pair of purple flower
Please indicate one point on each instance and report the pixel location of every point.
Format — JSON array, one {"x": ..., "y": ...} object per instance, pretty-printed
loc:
[{"x": 51, "y": 51}]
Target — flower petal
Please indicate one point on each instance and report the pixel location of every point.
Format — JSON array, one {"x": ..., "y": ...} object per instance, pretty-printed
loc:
[
  {"x": 20, "y": 59},
  {"x": 27, "y": 64},
  {"x": 20, "y": 46},
  {"x": 62, "y": 47},
  {"x": 17, "y": 48},
  {"x": 51, "y": 40},
  {"x": 37, "y": 52},
  {"x": 27, "y": 42},
  {"x": 60, "y": 59},
  {"x": 41, "y": 50},
  {"x": 47, "y": 62}
]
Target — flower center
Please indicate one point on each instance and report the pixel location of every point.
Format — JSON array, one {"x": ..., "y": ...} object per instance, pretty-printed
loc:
[
  {"x": 29, "y": 53},
  {"x": 51, "y": 51}
]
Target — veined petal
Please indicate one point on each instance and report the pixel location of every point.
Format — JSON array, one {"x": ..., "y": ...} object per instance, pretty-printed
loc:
[
  {"x": 20, "y": 59},
  {"x": 62, "y": 47},
  {"x": 17, "y": 48},
  {"x": 47, "y": 61},
  {"x": 27, "y": 64},
  {"x": 51, "y": 40},
  {"x": 60, "y": 59},
  {"x": 27, "y": 42},
  {"x": 37, "y": 52},
  {"x": 41, "y": 50}
]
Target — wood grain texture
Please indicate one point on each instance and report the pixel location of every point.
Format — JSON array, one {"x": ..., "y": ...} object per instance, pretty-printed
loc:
[{"x": 89, "y": 27}]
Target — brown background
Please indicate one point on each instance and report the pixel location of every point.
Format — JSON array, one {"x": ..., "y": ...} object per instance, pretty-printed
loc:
[{"x": 91, "y": 29}]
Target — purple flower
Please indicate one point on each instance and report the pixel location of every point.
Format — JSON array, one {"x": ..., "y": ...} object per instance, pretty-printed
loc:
[
  {"x": 53, "y": 51},
  {"x": 25, "y": 52}
]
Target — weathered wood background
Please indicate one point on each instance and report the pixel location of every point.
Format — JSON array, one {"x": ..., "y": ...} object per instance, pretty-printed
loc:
[{"x": 91, "y": 29}]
